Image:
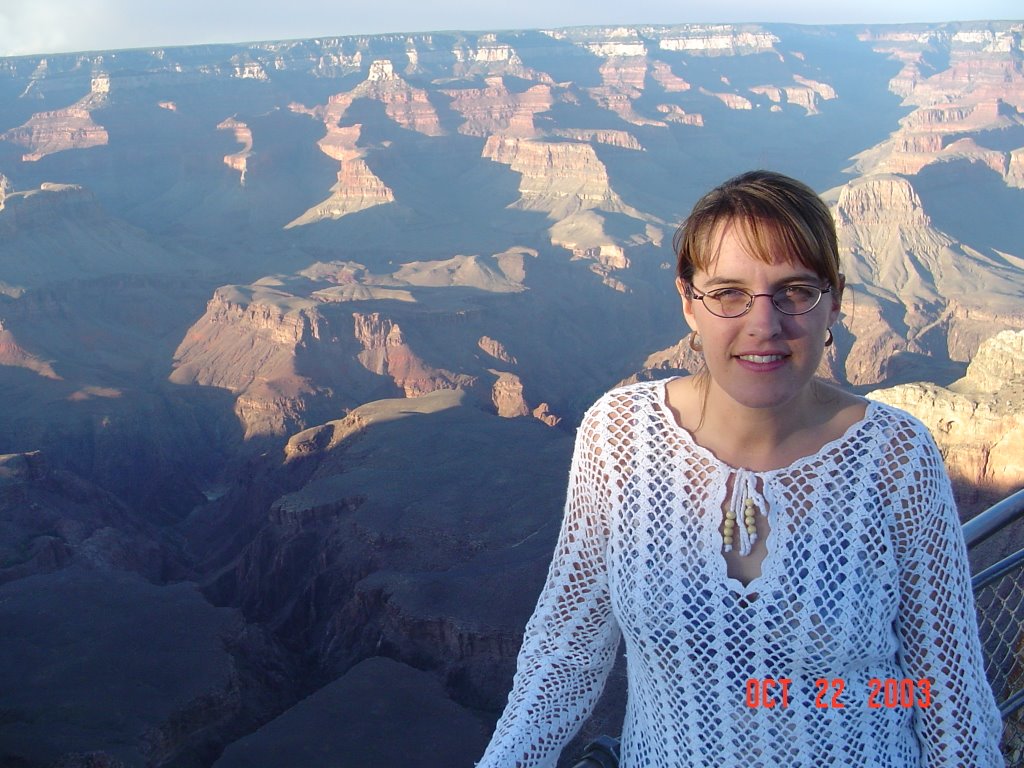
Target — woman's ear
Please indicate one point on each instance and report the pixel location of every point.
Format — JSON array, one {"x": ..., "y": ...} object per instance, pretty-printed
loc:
[
  {"x": 684, "y": 295},
  {"x": 837, "y": 299}
]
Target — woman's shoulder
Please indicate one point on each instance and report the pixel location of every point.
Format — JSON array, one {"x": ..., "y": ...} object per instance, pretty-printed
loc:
[
  {"x": 898, "y": 440},
  {"x": 870, "y": 411},
  {"x": 621, "y": 405},
  {"x": 896, "y": 421},
  {"x": 631, "y": 396}
]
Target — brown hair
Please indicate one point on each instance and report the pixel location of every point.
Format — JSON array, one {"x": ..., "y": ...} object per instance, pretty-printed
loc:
[{"x": 776, "y": 216}]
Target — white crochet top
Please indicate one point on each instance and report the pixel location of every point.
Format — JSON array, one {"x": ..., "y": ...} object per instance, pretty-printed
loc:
[{"x": 866, "y": 579}]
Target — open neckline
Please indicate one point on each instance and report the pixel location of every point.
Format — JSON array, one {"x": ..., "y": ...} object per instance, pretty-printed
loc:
[
  {"x": 826, "y": 448},
  {"x": 752, "y": 590}
]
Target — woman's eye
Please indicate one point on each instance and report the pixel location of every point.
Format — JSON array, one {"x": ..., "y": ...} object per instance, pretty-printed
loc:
[
  {"x": 726, "y": 294},
  {"x": 799, "y": 292}
]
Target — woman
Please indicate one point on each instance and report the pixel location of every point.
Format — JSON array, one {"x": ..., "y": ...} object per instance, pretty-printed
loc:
[{"x": 783, "y": 558}]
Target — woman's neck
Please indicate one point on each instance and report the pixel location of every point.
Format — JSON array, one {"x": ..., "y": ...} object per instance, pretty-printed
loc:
[{"x": 767, "y": 438}]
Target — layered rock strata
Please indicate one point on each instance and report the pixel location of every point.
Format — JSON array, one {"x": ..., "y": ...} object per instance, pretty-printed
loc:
[
  {"x": 239, "y": 160},
  {"x": 976, "y": 421},
  {"x": 63, "y": 129},
  {"x": 494, "y": 109},
  {"x": 288, "y": 346},
  {"x": 358, "y": 187},
  {"x": 560, "y": 178},
  {"x": 907, "y": 279},
  {"x": 976, "y": 93},
  {"x": 487, "y": 56}
]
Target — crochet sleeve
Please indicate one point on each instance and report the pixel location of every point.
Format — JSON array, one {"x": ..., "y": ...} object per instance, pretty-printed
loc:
[
  {"x": 570, "y": 641},
  {"x": 936, "y": 622}
]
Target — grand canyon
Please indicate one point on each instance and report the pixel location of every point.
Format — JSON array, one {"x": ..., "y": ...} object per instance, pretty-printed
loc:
[{"x": 295, "y": 337}]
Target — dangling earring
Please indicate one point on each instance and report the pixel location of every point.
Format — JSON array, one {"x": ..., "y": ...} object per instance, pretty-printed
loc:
[
  {"x": 829, "y": 339},
  {"x": 695, "y": 343}
]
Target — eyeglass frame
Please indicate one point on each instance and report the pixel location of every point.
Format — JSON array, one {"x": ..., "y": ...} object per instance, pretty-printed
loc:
[{"x": 751, "y": 296}]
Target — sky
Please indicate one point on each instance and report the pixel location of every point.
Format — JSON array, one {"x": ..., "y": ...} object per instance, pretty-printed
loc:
[{"x": 48, "y": 26}]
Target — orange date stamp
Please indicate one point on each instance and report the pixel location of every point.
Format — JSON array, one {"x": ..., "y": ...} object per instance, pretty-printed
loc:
[{"x": 882, "y": 693}]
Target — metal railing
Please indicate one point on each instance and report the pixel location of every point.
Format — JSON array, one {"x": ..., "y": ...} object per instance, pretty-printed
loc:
[
  {"x": 999, "y": 597},
  {"x": 993, "y": 519}
]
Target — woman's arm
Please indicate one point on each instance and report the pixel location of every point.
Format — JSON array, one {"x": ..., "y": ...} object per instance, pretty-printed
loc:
[
  {"x": 570, "y": 641},
  {"x": 936, "y": 622}
]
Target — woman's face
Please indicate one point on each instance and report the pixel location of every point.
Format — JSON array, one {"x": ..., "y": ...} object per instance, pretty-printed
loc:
[{"x": 763, "y": 359}]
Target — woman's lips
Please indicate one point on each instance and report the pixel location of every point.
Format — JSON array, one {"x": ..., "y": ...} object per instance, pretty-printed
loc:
[{"x": 762, "y": 362}]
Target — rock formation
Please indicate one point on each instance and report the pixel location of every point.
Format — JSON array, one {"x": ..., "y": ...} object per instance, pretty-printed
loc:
[
  {"x": 624, "y": 76},
  {"x": 285, "y": 345},
  {"x": 978, "y": 93},
  {"x": 976, "y": 421},
  {"x": 677, "y": 360},
  {"x": 408, "y": 106},
  {"x": 613, "y": 138},
  {"x": 507, "y": 395},
  {"x": 238, "y": 160},
  {"x": 805, "y": 93},
  {"x": 731, "y": 100},
  {"x": 460, "y": 270},
  {"x": 906, "y": 277},
  {"x": 357, "y": 188},
  {"x": 246, "y": 343},
  {"x": 667, "y": 79},
  {"x": 719, "y": 40},
  {"x": 62, "y": 129},
  {"x": 560, "y": 178},
  {"x": 487, "y": 56},
  {"x": 496, "y": 110},
  {"x": 386, "y": 353},
  {"x": 675, "y": 114},
  {"x": 496, "y": 350}
]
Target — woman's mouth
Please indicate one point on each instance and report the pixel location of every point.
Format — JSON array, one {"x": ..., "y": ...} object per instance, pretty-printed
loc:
[{"x": 761, "y": 359}]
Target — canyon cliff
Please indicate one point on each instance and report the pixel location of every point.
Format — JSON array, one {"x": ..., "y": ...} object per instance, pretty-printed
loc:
[{"x": 976, "y": 421}]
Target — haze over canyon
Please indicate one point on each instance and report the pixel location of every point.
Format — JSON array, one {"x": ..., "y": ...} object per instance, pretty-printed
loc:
[{"x": 295, "y": 336}]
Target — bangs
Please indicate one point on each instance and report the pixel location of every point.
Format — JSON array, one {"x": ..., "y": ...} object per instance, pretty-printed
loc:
[{"x": 767, "y": 240}]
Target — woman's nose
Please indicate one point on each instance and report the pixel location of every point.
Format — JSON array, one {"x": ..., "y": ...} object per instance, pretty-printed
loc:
[{"x": 763, "y": 317}]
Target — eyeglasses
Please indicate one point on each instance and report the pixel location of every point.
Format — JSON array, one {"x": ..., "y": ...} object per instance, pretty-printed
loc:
[{"x": 735, "y": 302}]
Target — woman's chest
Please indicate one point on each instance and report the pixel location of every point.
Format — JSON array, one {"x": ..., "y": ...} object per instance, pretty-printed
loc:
[{"x": 826, "y": 586}]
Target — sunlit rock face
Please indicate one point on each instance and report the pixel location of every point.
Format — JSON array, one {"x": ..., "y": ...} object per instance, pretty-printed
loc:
[
  {"x": 494, "y": 109},
  {"x": 906, "y": 277},
  {"x": 62, "y": 129},
  {"x": 977, "y": 420},
  {"x": 295, "y": 336},
  {"x": 966, "y": 89},
  {"x": 558, "y": 177}
]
